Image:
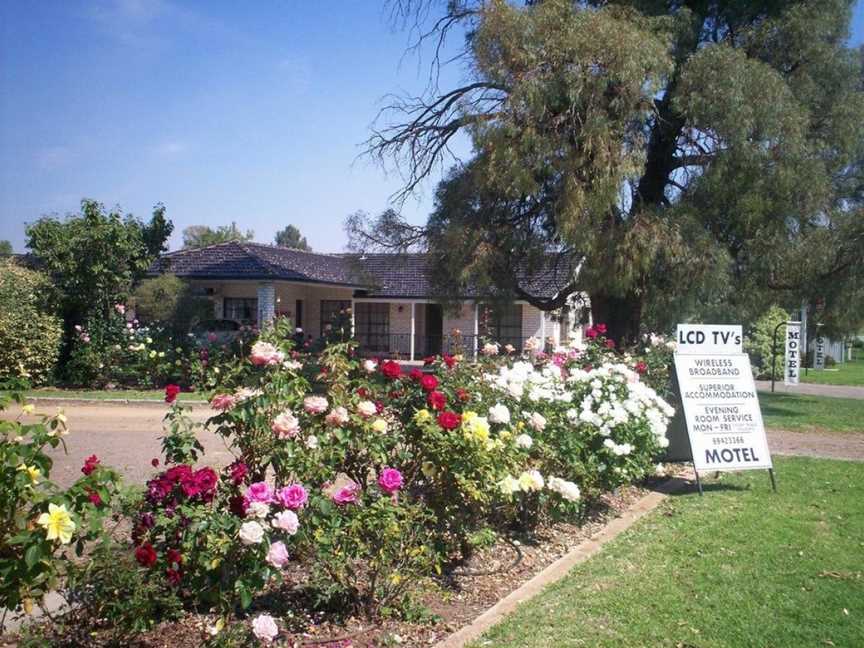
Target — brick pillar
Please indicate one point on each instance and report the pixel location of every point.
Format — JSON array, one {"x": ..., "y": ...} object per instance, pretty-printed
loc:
[{"x": 266, "y": 304}]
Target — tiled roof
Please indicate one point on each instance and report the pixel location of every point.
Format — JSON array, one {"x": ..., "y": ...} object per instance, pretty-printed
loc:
[
  {"x": 379, "y": 275},
  {"x": 242, "y": 260}
]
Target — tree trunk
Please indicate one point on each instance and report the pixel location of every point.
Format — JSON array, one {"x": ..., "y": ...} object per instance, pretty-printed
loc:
[{"x": 621, "y": 315}]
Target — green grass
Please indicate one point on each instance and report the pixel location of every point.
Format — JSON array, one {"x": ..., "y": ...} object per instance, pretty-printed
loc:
[
  {"x": 850, "y": 373},
  {"x": 98, "y": 394},
  {"x": 802, "y": 413},
  {"x": 739, "y": 567}
]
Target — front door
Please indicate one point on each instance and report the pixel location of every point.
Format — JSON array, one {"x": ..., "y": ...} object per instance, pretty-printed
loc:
[{"x": 434, "y": 329}]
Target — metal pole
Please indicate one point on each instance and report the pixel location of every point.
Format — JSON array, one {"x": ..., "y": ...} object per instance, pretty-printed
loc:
[
  {"x": 773, "y": 482},
  {"x": 698, "y": 482},
  {"x": 774, "y": 355}
]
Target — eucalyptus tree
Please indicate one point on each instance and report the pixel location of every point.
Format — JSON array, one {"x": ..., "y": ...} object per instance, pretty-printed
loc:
[{"x": 667, "y": 154}]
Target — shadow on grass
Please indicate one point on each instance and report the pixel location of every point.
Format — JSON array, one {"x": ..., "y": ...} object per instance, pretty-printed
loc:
[{"x": 709, "y": 487}]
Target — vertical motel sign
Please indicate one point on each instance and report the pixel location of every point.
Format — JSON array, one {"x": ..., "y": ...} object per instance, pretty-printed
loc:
[{"x": 792, "y": 366}]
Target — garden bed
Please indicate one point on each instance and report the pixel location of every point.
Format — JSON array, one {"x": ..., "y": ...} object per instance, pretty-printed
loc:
[{"x": 445, "y": 604}]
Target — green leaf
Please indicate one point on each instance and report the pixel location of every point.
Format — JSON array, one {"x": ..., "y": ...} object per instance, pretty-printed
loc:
[{"x": 33, "y": 555}]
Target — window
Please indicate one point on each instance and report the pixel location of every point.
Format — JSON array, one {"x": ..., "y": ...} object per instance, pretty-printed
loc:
[
  {"x": 331, "y": 309},
  {"x": 240, "y": 309},
  {"x": 372, "y": 326},
  {"x": 298, "y": 311},
  {"x": 502, "y": 324}
]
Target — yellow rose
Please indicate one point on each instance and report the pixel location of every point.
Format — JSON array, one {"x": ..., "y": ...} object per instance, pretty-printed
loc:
[
  {"x": 58, "y": 523},
  {"x": 32, "y": 472},
  {"x": 422, "y": 416},
  {"x": 380, "y": 425}
]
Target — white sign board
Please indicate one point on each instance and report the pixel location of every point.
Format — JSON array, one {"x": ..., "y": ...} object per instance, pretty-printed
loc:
[
  {"x": 792, "y": 366},
  {"x": 819, "y": 352},
  {"x": 721, "y": 408},
  {"x": 709, "y": 339}
]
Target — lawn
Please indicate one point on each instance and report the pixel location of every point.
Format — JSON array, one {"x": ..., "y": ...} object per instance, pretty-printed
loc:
[
  {"x": 804, "y": 413},
  {"x": 741, "y": 566},
  {"x": 97, "y": 394},
  {"x": 850, "y": 373}
]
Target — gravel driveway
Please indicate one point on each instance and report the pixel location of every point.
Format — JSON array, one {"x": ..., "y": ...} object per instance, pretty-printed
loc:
[{"x": 125, "y": 437}]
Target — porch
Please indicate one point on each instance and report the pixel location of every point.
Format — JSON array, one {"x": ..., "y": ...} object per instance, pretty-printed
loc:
[{"x": 403, "y": 328}]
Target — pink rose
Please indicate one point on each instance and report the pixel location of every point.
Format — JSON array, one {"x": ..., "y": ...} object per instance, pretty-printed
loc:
[
  {"x": 293, "y": 496},
  {"x": 259, "y": 492},
  {"x": 390, "y": 480},
  {"x": 277, "y": 555},
  {"x": 285, "y": 424},
  {"x": 222, "y": 402},
  {"x": 315, "y": 404},
  {"x": 348, "y": 494},
  {"x": 337, "y": 416},
  {"x": 264, "y": 353},
  {"x": 286, "y": 521}
]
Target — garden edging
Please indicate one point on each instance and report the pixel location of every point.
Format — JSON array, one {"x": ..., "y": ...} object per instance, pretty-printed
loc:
[
  {"x": 558, "y": 569},
  {"x": 55, "y": 401}
]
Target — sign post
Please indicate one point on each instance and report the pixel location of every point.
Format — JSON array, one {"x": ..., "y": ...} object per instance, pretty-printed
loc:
[
  {"x": 819, "y": 351},
  {"x": 792, "y": 367},
  {"x": 721, "y": 407}
]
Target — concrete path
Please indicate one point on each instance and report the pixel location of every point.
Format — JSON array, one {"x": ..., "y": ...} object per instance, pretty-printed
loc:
[{"x": 835, "y": 391}]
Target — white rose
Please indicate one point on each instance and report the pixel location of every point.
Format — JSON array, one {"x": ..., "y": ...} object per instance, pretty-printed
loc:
[
  {"x": 538, "y": 421},
  {"x": 258, "y": 510},
  {"x": 369, "y": 366},
  {"x": 366, "y": 409},
  {"x": 524, "y": 441},
  {"x": 499, "y": 413},
  {"x": 251, "y": 533}
]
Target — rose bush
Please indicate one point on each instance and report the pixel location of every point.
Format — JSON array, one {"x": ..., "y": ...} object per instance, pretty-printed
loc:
[{"x": 40, "y": 523}]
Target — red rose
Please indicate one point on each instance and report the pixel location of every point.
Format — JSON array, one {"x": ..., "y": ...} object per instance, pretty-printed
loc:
[
  {"x": 154, "y": 462},
  {"x": 379, "y": 406},
  {"x": 94, "y": 498},
  {"x": 206, "y": 479},
  {"x": 601, "y": 328},
  {"x": 415, "y": 374},
  {"x": 174, "y": 576},
  {"x": 178, "y": 473},
  {"x": 146, "y": 555},
  {"x": 428, "y": 360},
  {"x": 237, "y": 505},
  {"x": 429, "y": 382},
  {"x": 437, "y": 400},
  {"x": 462, "y": 394},
  {"x": 238, "y": 471},
  {"x": 391, "y": 369},
  {"x": 641, "y": 367},
  {"x": 591, "y": 333},
  {"x": 449, "y": 420},
  {"x": 450, "y": 361},
  {"x": 173, "y": 557},
  {"x": 90, "y": 464},
  {"x": 396, "y": 393},
  {"x": 363, "y": 392},
  {"x": 171, "y": 392},
  {"x": 610, "y": 344}
]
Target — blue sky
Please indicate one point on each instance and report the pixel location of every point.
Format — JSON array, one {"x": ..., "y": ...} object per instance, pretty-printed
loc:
[{"x": 221, "y": 111}]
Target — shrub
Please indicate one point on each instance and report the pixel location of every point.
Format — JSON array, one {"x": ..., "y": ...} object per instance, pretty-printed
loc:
[
  {"x": 169, "y": 301},
  {"x": 758, "y": 343},
  {"x": 30, "y": 333}
]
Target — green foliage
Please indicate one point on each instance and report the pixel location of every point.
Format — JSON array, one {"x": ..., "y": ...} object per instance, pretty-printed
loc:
[
  {"x": 30, "y": 332},
  {"x": 758, "y": 342},
  {"x": 6, "y": 248},
  {"x": 169, "y": 301},
  {"x": 93, "y": 259},
  {"x": 683, "y": 156},
  {"x": 32, "y": 508},
  {"x": 196, "y": 236},
  {"x": 290, "y": 237}
]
